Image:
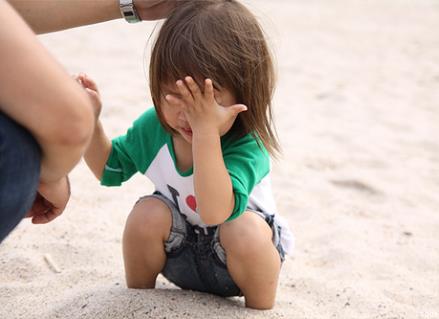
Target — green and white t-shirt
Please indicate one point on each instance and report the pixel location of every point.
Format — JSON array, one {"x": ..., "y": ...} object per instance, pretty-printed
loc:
[{"x": 148, "y": 148}]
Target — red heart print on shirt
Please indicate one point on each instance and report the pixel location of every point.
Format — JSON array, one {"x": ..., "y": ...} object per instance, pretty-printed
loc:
[{"x": 191, "y": 202}]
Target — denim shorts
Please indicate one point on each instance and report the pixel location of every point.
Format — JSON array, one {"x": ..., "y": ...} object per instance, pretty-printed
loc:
[{"x": 195, "y": 258}]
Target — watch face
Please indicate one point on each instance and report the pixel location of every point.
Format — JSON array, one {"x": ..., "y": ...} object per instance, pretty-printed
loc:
[{"x": 129, "y": 11}]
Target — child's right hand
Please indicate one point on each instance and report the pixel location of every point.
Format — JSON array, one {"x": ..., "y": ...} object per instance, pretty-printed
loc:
[{"x": 92, "y": 90}]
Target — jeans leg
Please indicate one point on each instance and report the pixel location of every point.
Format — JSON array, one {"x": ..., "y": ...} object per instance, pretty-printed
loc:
[{"x": 20, "y": 158}]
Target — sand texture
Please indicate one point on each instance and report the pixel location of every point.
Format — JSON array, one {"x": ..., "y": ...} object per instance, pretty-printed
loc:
[{"x": 357, "y": 110}]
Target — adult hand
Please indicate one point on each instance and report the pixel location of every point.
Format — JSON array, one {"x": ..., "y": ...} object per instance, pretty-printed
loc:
[
  {"x": 50, "y": 202},
  {"x": 154, "y": 9}
]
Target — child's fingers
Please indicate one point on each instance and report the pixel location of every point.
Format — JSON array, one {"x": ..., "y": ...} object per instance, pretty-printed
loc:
[
  {"x": 237, "y": 108},
  {"x": 184, "y": 91},
  {"x": 80, "y": 77},
  {"x": 89, "y": 83},
  {"x": 171, "y": 99},
  {"x": 193, "y": 87},
  {"x": 85, "y": 81},
  {"x": 208, "y": 89},
  {"x": 93, "y": 93},
  {"x": 77, "y": 78}
]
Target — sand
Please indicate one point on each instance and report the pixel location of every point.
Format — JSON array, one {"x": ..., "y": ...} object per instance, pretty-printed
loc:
[{"x": 357, "y": 108}]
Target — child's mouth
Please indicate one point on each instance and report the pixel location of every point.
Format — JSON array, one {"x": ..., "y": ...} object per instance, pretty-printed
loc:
[{"x": 187, "y": 131}]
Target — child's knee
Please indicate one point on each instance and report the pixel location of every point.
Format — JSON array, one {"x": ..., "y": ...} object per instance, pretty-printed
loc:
[
  {"x": 246, "y": 235},
  {"x": 150, "y": 217}
]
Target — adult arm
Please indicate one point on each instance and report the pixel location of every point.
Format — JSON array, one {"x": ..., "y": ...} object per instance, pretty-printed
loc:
[
  {"x": 55, "y": 15},
  {"x": 37, "y": 93}
]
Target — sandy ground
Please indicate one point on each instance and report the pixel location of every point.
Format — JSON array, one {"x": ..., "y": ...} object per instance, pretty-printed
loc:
[{"x": 357, "y": 110}]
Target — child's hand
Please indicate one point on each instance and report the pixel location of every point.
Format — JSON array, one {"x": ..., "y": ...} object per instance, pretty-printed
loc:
[
  {"x": 92, "y": 90},
  {"x": 203, "y": 113}
]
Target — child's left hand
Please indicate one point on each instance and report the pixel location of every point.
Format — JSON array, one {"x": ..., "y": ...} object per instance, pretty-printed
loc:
[
  {"x": 92, "y": 91},
  {"x": 203, "y": 113}
]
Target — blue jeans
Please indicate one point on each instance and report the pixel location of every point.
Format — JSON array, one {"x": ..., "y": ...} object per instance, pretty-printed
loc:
[{"x": 20, "y": 158}]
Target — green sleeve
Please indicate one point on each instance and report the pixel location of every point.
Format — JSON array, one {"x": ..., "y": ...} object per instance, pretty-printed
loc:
[
  {"x": 247, "y": 162},
  {"x": 134, "y": 151}
]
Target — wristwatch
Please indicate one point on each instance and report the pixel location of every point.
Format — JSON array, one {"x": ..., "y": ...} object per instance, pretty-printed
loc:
[{"x": 128, "y": 11}]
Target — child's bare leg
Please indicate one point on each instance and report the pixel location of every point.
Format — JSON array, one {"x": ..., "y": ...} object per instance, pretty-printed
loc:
[
  {"x": 146, "y": 230},
  {"x": 252, "y": 260}
]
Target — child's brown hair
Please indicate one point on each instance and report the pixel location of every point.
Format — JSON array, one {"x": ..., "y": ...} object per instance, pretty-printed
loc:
[{"x": 220, "y": 40}]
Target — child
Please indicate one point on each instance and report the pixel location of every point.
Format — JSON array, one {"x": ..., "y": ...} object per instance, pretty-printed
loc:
[{"x": 210, "y": 224}]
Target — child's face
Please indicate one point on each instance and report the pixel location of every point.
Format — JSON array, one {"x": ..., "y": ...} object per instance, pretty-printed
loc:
[{"x": 175, "y": 117}]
